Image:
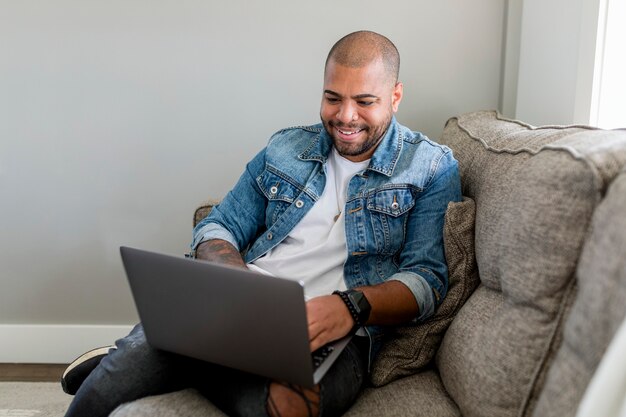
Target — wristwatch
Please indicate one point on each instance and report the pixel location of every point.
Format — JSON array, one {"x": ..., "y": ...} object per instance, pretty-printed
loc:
[{"x": 357, "y": 304}]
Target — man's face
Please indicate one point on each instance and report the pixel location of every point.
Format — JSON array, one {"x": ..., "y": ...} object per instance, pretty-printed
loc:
[{"x": 357, "y": 107}]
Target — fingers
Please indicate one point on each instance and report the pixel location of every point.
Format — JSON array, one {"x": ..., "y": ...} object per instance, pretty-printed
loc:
[
  {"x": 318, "y": 336},
  {"x": 318, "y": 342},
  {"x": 322, "y": 327},
  {"x": 323, "y": 333},
  {"x": 328, "y": 320}
]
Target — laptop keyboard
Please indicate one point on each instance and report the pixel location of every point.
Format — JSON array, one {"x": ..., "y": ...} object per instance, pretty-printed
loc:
[{"x": 320, "y": 355}]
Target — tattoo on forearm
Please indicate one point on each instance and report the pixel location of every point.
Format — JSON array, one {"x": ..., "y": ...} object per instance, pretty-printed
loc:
[{"x": 220, "y": 251}]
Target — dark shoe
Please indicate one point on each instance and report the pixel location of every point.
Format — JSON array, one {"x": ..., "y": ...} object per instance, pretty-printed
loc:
[{"x": 81, "y": 367}]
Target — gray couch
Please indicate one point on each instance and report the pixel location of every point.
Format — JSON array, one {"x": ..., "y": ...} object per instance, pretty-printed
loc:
[{"x": 537, "y": 256}]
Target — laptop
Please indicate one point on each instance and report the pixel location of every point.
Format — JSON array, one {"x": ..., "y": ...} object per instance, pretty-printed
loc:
[{"x": 228, "y": 316}]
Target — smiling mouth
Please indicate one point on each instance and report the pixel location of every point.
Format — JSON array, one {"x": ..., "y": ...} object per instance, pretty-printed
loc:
[{"x": 348, "y": 133}]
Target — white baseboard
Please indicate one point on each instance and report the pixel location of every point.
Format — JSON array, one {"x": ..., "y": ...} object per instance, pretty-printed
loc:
[{"x": 26, "y": 343}]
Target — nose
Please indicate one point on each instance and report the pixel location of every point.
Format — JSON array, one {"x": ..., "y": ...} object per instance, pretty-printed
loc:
[{"x": 347, "y": 113}]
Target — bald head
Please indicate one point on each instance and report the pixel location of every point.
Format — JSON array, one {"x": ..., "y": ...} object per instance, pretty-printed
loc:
[{"x": 359, "y": 49}]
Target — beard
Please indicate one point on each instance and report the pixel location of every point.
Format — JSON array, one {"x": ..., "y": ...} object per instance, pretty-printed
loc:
[{"x": 373, "y": 136}]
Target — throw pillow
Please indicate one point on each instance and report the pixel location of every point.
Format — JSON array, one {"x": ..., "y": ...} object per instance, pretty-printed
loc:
[{"x": 410, "y": 348}]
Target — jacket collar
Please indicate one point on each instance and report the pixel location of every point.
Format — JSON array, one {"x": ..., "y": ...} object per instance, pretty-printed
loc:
[{"x": 383, "y": 160}]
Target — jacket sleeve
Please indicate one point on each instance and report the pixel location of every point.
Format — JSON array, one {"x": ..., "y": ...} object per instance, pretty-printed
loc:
[
  {"x": 240, "y": 216},
  {"x": 423, "y": 268}
]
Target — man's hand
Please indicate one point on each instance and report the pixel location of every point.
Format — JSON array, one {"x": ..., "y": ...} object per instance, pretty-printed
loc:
[{"x": 329, "y": 320}]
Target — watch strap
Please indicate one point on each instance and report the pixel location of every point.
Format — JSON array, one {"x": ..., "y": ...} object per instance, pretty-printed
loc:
[{"x": 351, "y": 308}]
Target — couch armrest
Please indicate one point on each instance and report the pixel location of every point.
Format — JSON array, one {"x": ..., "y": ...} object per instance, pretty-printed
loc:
[{"x": 203, "y": 211}]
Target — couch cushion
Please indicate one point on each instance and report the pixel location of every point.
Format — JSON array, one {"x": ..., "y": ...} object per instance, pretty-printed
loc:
[
  {"x": 535, "y": 191},
  {"x": 599, "y": 308},
  {"x": 410, "y": 348},
  {"x": 419, "y": 395},
  {"x": 185, "y": 403}
]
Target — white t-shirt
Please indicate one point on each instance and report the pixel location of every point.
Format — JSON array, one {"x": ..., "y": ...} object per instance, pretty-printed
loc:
[{"x": 315, "y": 250}]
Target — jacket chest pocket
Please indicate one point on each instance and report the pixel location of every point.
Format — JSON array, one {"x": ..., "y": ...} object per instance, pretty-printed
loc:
[
  {"x": 389, "y": 210},
  {"x": 280, "y": 194}
]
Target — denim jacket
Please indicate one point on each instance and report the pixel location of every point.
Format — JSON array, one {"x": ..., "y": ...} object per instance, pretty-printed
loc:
[{"x": 394, "y": 211}]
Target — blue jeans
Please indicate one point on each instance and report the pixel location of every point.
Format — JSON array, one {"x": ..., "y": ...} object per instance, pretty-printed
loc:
[{"x": 135, "y": 370}]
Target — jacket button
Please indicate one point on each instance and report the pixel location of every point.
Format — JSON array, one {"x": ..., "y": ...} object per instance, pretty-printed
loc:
[
  {"x": 395, "y": 205},
  {"x": 270, "y": 236},
  {"x": 273, "y": 190},
  {"x": 299, "y": 203}
]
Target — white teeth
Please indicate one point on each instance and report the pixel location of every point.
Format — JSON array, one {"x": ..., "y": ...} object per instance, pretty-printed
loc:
[{"x": 348, "y": 133}]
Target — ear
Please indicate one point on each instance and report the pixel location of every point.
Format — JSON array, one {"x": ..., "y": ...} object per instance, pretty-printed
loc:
[{"x": 396, "y": 96}]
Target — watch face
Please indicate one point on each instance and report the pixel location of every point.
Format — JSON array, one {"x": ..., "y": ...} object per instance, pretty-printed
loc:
[
  {"x": 356, "y": 298},
  {"x": 360, "y": 303}
]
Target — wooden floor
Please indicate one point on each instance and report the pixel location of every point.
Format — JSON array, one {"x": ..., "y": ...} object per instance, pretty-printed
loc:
[{"x": 31, "y": 372}]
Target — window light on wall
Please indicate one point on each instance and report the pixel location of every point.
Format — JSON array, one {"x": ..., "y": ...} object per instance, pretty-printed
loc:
[{"x": 608, "y": 107}]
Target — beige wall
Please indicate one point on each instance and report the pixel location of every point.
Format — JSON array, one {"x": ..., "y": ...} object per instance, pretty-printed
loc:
[{"x": 117, "y": 118}]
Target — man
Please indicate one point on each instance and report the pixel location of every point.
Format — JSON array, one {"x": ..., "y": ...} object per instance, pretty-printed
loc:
[{"x": 353, "y": 207}]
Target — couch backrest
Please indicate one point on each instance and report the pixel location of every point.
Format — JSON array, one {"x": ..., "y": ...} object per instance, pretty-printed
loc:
[
  {"x": 598, "y": 311},
  {"x": 535, "y": 191}
]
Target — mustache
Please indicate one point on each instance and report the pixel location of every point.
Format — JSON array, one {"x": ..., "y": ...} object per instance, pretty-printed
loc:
[{"x": 342, "y": 125}]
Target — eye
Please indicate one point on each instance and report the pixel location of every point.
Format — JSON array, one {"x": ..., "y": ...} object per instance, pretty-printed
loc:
[
  {"x": 365, "y": 103},
  {"x": 332, "y": 100}
]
